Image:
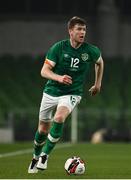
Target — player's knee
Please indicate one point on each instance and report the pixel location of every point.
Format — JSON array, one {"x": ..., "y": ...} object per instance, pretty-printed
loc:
[{"x": 59, "y": 118}]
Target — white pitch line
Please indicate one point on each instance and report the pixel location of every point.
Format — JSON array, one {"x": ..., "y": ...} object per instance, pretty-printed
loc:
[
  {"x": 16, "y": 153},
  {"x": 27, "y": 151}
]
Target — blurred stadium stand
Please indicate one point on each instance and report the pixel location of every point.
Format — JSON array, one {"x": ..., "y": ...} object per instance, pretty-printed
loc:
[
  {"x": 21, "y": 91},
  {"x": 60, "y": 7}
]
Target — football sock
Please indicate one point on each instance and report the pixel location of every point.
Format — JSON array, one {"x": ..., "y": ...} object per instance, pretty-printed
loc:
[
  {"x": 53, "y": 137},
  {"x": 39, "y": 141}
]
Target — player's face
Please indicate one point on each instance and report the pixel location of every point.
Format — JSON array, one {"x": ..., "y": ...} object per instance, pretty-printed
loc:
[{"x": 77, "y": 33}]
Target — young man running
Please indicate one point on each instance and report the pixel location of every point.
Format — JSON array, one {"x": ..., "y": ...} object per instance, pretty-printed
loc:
[{"x": 65, "y": 67}]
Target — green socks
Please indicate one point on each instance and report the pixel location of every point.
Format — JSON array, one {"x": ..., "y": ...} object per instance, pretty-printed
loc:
[
  {"x": 53, "y": 137},
  {"x": 39, "y": 141}
]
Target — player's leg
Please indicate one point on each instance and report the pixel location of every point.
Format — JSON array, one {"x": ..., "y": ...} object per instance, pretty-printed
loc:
[
  {"x": 39, "y": 141},
  {"x": 43, "y": 129},
  {"x": 65, "y": 106},
  {"x": 53, "y": 136},
  {"x": 40, "y": 137}
]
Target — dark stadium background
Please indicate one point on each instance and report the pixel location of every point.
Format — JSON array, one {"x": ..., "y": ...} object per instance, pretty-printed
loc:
[{"x": 27, "y": 29}]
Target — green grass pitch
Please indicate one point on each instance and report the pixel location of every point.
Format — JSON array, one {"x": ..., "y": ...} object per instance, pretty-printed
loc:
[{"x": 103, "y": 161}]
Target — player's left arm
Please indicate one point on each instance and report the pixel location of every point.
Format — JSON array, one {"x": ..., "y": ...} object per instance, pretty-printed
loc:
[{"x": 99, "y": 67}]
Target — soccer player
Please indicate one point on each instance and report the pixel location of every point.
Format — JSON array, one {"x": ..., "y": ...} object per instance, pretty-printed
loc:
[{"x": 65, "y": 67}]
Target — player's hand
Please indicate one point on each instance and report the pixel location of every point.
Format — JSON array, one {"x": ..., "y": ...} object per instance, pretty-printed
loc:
[
  {"x": 94, "y": 90},
  {"x": 65, "y": 79}
]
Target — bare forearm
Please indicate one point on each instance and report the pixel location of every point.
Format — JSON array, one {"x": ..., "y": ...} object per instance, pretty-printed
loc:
[
  {"x": 99, "y": 73},
  {"x": 98, "y": 78},
  {"x": 49, "y": 74}
]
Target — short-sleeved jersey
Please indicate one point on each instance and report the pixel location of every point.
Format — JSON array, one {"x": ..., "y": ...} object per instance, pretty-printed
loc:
[{"x": 72, "y": 62}]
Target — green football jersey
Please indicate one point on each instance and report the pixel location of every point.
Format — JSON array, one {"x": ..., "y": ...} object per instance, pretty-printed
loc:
[{"x": 72, "y": 62}]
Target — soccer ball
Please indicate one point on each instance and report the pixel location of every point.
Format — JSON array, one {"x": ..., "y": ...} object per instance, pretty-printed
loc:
[{"x": 75, "y": 165}]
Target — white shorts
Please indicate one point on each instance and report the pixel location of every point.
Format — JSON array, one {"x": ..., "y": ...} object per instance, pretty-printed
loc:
[{"x": 50, "y": 103}]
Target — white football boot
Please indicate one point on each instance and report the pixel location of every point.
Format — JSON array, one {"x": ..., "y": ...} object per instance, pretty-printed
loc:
[
  {"x": 42, "y": 162},
  {"x": 32, "y": 167}
]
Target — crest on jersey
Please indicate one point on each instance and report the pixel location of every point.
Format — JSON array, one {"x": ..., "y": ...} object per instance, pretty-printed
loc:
[
  {"x": 84, "y": 56},
  {"x": 66, "y": 55}
]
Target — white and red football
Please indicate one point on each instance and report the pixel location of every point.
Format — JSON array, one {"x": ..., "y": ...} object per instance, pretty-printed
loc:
[{"x": 75, "y": 165}]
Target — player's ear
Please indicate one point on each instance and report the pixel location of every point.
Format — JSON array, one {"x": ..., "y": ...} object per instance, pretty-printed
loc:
[{"x": 69, "y": 30}]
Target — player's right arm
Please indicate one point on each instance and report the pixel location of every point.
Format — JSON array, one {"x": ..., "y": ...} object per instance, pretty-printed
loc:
[{"x": 47, "y": 72}]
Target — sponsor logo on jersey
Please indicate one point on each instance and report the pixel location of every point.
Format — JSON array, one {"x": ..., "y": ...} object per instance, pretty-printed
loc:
[{"x": 84, "y": 56}]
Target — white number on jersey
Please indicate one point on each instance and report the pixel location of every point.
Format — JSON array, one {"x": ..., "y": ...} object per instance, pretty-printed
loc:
[{"x": 74, "y": 62}]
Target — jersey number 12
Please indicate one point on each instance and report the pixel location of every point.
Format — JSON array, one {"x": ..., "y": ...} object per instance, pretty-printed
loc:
[{"x": 74, "y": 62}]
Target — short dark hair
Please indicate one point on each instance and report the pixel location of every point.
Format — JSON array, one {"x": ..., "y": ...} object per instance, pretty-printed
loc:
[{"x": 76, "y": 20}]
